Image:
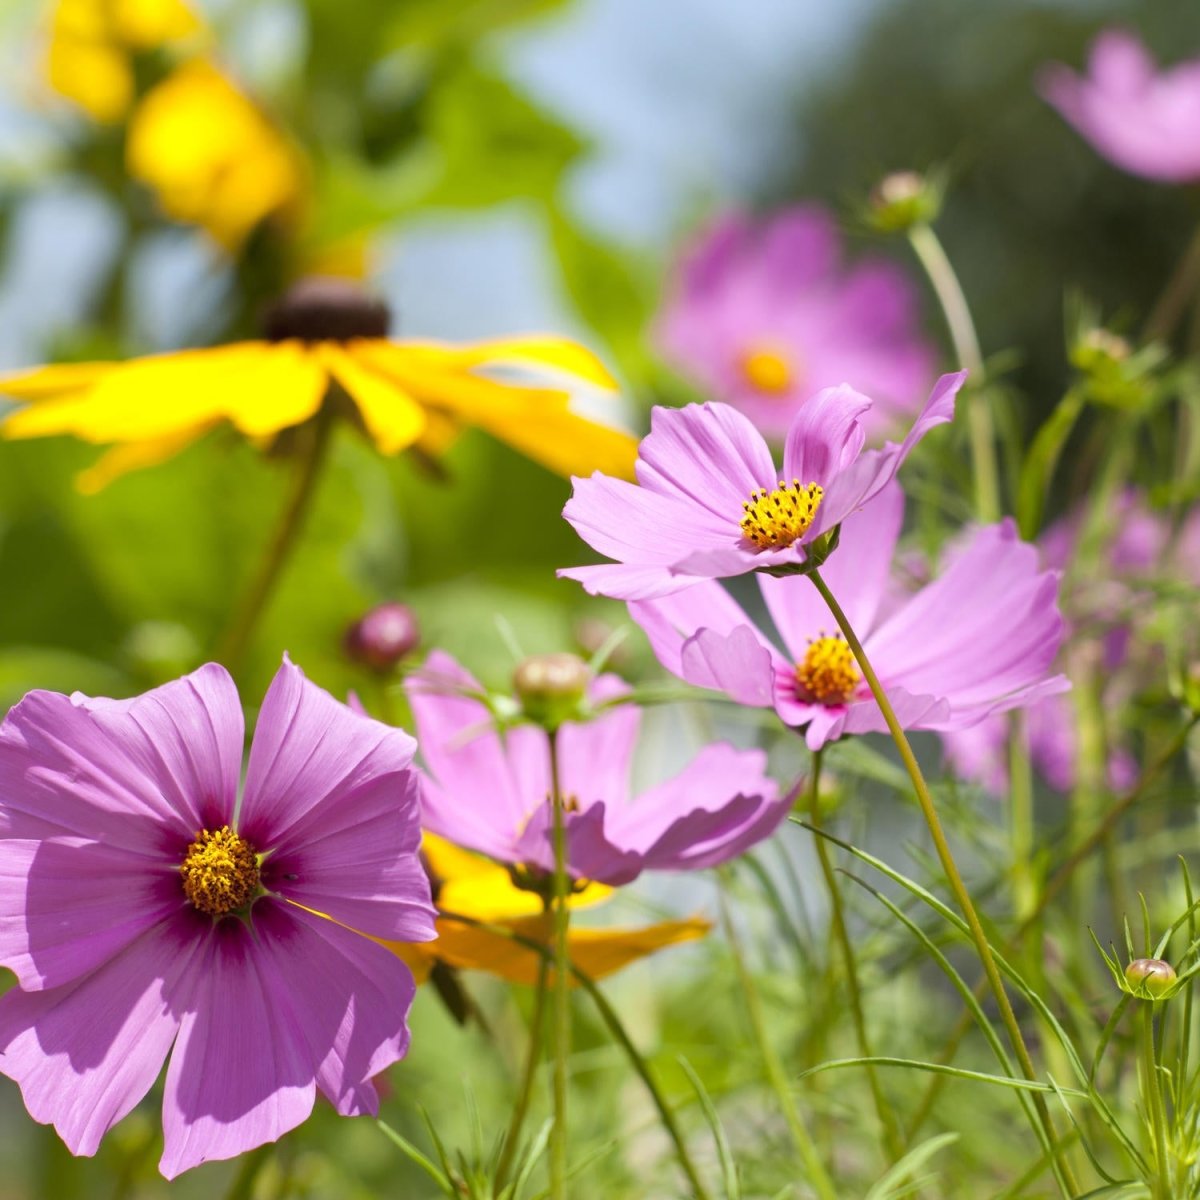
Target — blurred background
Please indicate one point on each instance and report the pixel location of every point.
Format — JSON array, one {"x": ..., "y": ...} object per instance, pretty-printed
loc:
[{"x": 489, "y": 167}]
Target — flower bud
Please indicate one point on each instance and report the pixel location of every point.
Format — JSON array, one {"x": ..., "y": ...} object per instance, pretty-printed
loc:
[
  {"x": 382, "y": 637},
  {"x": 551, "y": 687},
  {"x": 904, "y": 199},
  {"x": 1150, "y": 978}
]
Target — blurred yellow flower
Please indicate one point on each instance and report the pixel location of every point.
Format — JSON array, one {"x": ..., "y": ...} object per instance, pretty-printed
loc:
[
  {"x": 325, "y": 344},
  {"x": 89, "y": 59},
  {"x": 212, "y": 157},
  {"x": 471, "y": 886}
]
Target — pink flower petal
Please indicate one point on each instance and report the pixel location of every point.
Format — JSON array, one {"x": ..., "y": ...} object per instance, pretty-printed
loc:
[
  {"x": 86, "y": 1053},
  {"x": 68, "y": 905},
  {"x": 241, "y": 1074},
  {"x": 826, "y": 436},
  {"x": 142, "y": 773},
  {"x": 349, "y": 998},
  {"x": 309, "y": 753}
]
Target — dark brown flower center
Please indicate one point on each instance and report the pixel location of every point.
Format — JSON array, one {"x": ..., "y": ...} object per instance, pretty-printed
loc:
[{"x": 324, "y": 309}]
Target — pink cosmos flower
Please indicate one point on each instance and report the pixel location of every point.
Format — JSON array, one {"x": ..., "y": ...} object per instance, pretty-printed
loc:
[
  {"x": 764, "y": 317},
  {"x": 710, "y": 503},
  {"x": 124, "y": 851},
  {"x": 978, "y": 640},
  {"x": 1144, "y": 120},
  {"x": 1108, "y": 605},
  {"x": 491, "y": 793}
]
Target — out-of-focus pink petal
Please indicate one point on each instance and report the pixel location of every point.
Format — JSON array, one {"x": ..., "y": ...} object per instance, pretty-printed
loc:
[
  {"x": 241, "y": 1074},
  {"x": 86, "y": 1053},
  {"x": 597, "y": 755},
  {"x": 310, "y": 752}
]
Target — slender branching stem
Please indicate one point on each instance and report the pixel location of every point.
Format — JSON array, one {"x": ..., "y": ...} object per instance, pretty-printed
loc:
[
  {"x": 521, "y": 1107},
  {"x": 893, "y": 1143},
  {"x": 928, "y": 248},
  {"x": 235, "y": 641},
  {"x": 805, "y": 1146},
  {"x": 962, "y": 896},
  {"x": 562, "y": 996}
]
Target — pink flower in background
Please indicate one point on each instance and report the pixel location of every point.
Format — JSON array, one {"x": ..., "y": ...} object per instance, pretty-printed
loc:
[
  {"x": 491, "y": 793},
  {"x": 1144, "y": 120},
  {"x": 1106, "y": 608},
  {"x": 764, "y": 316},
  {"x": 978, "y": 640},
  {"x": 709, "y": 502},
  {"x": 123, "y": 850}
]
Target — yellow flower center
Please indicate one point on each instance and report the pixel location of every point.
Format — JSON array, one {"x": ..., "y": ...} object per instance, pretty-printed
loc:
[
  {"x": 828, "y": 674},
  {"x": 774, "y": 520},
  {"x": 767, "y": 368},
  {"x": 220, "y": 872}
]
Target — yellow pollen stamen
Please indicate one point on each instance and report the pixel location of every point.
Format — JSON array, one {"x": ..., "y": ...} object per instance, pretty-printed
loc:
[
  {"x": 767, "y": 369},
  {"x": 774, "y": 520},
  {"x": 828, "y": 674},
  {"x": 220, "y": 872}
]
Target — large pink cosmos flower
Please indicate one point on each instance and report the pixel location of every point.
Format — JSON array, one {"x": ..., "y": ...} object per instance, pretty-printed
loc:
[
  {"x": 764, "y": 317},
  {"x": 709, "y": 502},
  {"x": 491, "y": 793},
  {"x": 978, "y": 640},
  {"x": 141, "y": 907},
  {"x": 1144, "y": 120}
]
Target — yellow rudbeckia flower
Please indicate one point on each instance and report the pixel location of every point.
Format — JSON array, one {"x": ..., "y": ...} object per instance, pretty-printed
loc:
[
  {"x": 325, "y": 344},
  {"x": 212, "y": 156},
  {"x": 89, "y": 59},
  {"x": 471, "y": 886}
]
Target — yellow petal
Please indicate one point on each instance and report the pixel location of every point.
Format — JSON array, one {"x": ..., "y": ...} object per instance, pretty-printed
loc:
[
  {"x": 477, "y": 887},
  {"x": 146, "y": 24},
  {"x": 260, "y": 387},
  {"x": 95, "y": 77},
  {"x": 535, "y": 421},
  {"x": 392, "y": 417},
  {"x": 132, "y": 456},
  {"x": 597, "y": 952},
  {"x": 54, "y": 380},
  {"x": 559, "y": 354},
  {"x": 213, "y": 158}
]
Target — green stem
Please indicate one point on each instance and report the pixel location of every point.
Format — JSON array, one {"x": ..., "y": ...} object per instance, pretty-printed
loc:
[
  {"x": 1054, "y": 886},
  {"x": 1021, "y": 818},
  {"x": 1152, "y": 1097},
  {"x": 1172, "y": 303},
  {"x": 613, "y": 1022},
  {"x": 562, "y": 997},
  {"x": 236, "y": 638},
  {"x": 805, "y": 1146},
  {"x": 1061, "y": 1168},
  {"x": 521, "y": 1108},
  {"x": 928, "y": 248},
  {"x": 892, "y": 1138}
]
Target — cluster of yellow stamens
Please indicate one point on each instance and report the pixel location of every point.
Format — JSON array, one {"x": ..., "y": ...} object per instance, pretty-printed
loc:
[
  {"x": 828, "y": 674},
  {"x": 775, "y": 519},
  {"x": 767, "y": 369},
  {"x": 220, "y": 872}
]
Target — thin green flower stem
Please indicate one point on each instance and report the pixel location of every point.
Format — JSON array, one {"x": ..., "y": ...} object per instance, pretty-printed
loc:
[
  {"x": 1172, "y": 303},
  {"x": 1152, "y": 1096},
  {"x": 1062, "y": 1169},
  {"x": 521, "y": 1108},
  {"x": 1054, "y": 886},
  {"x": 613, "y": 1022},
  {"x": 1021, "y": 818},
  {"x": 928, "y": 248},
  {"x": 235, "y": 641},
  {"x": 562, "y": 995},
  {"x": 805, "y": 1146},
  {"x": 893, "y": 1144}
]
